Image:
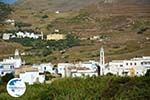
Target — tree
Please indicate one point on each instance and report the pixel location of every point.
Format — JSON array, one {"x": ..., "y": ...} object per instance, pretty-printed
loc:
[
  {"x": 110, "y": 74},
  {"x": 7, "y": 77},
  {"x": 5, "y": 10},
  {"x": 48, "y": 76},
  {"x": 147, "y": 73}
]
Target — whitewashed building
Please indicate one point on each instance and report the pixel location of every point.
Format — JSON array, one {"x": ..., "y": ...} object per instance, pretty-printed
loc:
[
  {"x": 32, "y": 77},
  {"x": 132, "y": 67},
  {"x": 63, "y": 70},
  {"x": 78, "y": 70},
  {"x": 6, "y": 68},
  {"x": 16, "y": 60},
  {"x": 6, "y": 36},
  {"x": 10, "y": 21},
  {"x": 47, "y": 67},
  {"x": 82, "y": 69},
  {"x": 29, "y": 35}
]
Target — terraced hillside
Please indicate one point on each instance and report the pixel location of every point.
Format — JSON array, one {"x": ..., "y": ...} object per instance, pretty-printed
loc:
[{"x": 123, "y": 26}]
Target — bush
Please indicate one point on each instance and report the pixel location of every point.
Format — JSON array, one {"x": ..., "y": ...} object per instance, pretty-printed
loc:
[
  {"x": 109, "y": 74},
  {"x": 90, "y": 88},
  {"x": 45, "y": 16},
  {"x": 7, "y": 77},
  {"x": 147, "y": 73},
  {"x": 48, "y": 76},
  {"x": 0, "y": 80}
]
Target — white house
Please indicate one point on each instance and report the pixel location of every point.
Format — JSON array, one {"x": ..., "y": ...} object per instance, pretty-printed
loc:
[
  {"x": 10, "y": 21},
  {"x": 47, "y": 67},
  {"x": 82, "y": 69},
  {"x": 57, "y": 12},
  {"x": 16, "y": 60},
  {"x": 115, "y": 67},
  {"x": 20, "y": 34},
  {"x": 132, "y": 67},
  {"x": 56, "y": 30},
  {"x": 78, "y": 70},
  {"x": 32, "y": 77},
  {"x": 29, "y": 35},
  {"x": 6, "y": 68},
  {"x": 6, "y": 36},
  {"x": 62, "y": 69}
]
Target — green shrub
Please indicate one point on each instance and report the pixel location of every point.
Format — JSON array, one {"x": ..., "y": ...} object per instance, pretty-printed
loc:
[
  {"x": 45, "y": 16},
  {"x": 7, "y": 77},
  {"x": 147, "y": 73}
]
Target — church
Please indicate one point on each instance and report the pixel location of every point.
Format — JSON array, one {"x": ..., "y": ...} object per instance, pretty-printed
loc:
[{"x": 9, "y": 65}]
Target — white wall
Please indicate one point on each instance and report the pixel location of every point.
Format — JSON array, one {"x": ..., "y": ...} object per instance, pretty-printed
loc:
[
  {"x": 136, "y": 64},
  {"x": 46, "y": 67},
  {"x": 6, "y": 68},
  {"x": 63, "y": 69},
  {"x": 32, "y": 77}
]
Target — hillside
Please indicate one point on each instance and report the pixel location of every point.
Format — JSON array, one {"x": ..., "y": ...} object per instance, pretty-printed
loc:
[
  {"x": 122, "y": 25},
  {"x": 65, "y": 5},
  {"x": 53, "y": 5}
]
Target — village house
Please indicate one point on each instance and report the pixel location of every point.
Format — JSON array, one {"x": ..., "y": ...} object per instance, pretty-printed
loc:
[
  {"x": 6, "y": 68},
  {"x": 32, "y": 77},
  {"x": 78, "y": 70},
  {"x": 85, "y": 69},
  {"x": 10, "y": 21},
  {"x": 29, "y": 35},
  {"x": 62, "y": 69},
  {"x": 133, "y": 67},
  {"x": 56, "y": 36},
  {"x": 16, "y": 60},
  {"x": 8, "y": 36},
  {"x": 45, "y": 67}
]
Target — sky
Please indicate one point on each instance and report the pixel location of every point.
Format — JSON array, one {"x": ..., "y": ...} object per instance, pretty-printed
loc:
[{"x": 8, "y": 1}]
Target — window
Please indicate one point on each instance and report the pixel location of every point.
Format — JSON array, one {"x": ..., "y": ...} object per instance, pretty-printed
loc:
[
  {"x": 11, "y": 67},
  {"x": 121, "y": 65},
  {"x": 127, "y": 64},
  {"x": 44, "y": 68},
  {"x": 131, "y": 64},
  {"x": 145, "y": 63},
  {"x": 1, "y": 67},
  {"x": 2, "y": 73},
  {"x": 141, "y": 63},
  {"x": 134, "y": 63}
]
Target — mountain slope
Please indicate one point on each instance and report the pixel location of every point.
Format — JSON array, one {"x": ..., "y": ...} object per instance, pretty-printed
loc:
[
  {"x": 70, "y": 4},
  {"x": 123, "y": 26},
  {"x": 55, "y": 4}
]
